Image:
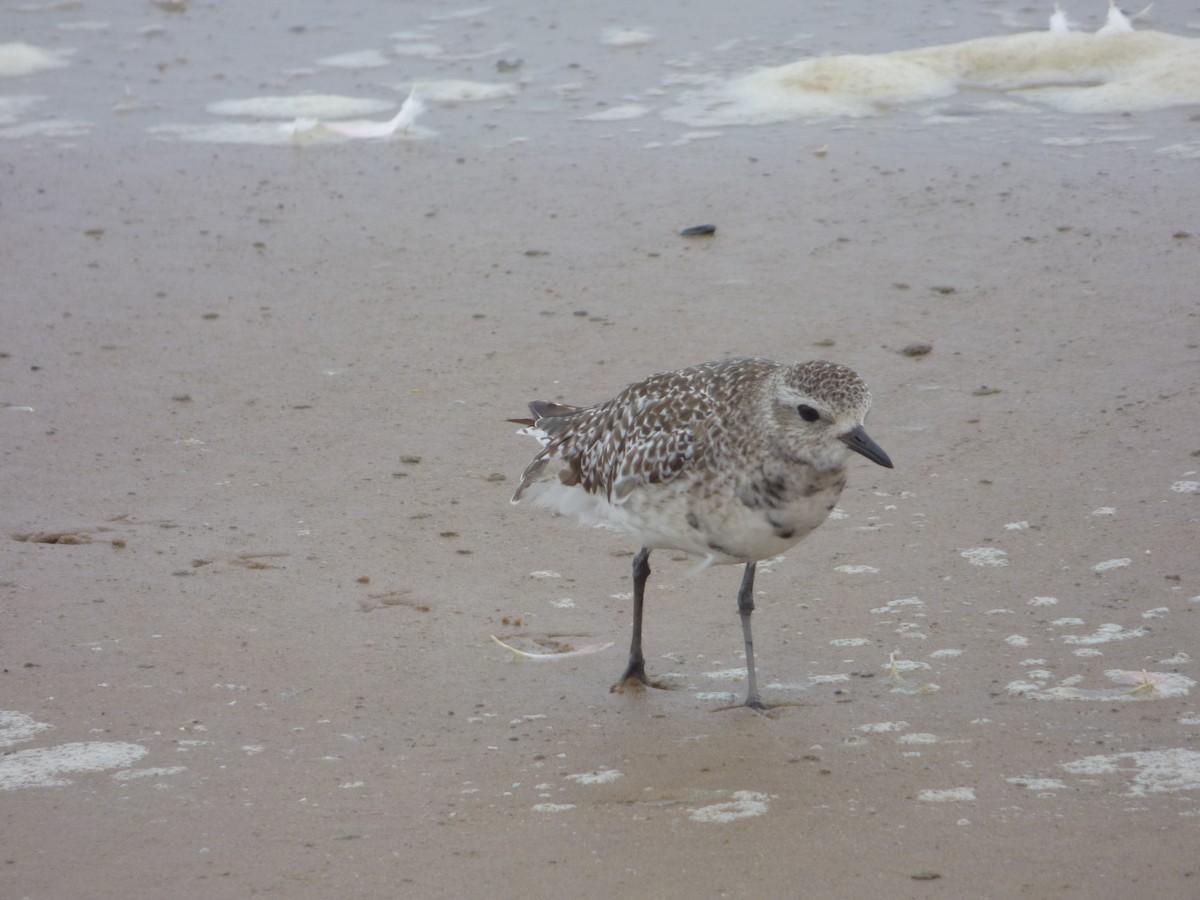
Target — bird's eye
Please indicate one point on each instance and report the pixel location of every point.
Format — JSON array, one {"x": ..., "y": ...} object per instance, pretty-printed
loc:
[{"x": 807, "y": 413}]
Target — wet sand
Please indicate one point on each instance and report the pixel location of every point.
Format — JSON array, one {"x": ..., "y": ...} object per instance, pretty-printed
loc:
[{"x": 264, "y": 388}]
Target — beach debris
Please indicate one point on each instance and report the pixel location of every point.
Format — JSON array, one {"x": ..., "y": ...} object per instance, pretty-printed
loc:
[
  {"x": 542, "y": 657},
  {"x": 404, "y": 119},
  {"x": 54, "y": 537},
  {"x": 1059, "y": 24}
]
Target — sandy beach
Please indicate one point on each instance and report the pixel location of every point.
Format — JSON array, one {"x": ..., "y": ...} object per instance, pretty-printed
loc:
[{"x": 256, "y": 532}]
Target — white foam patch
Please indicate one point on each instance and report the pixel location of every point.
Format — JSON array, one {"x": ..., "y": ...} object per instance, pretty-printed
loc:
[
  {"x": 856, "y": 570},
  {"x": 918, "y": 737},
  {"x": 603, "y": 776},
  {"x": 1109, "y": 564},
  {"x": 838, "y": 678},
  {"x": 358, "y": 59},
  {"x": 908, "y": 665},
  {"x": 1071, "y": 71},
  {"x": 11, "y": 108},
  {"x": 727, "y": 674},
  {"x": 691, "y": 136},
  {"x": 84, "y": 25},
  {"x": 1042, "y": 601},
  {"x": 423, "y": 49},
  {"x": 257, "y": 133},
  {"x": 1154, "y": 771},
  {"x": 1017, "y": 640},
  {"x": 882, "y": 727},
  {"x": 1105, "y": 511},
  {"x": 1134, "y": 686},
  {"x": 1080, "y": 141},
  {"x": 1158, "y": 684},
  {"x": 453, "y": 90},
  {"x": 744, "y": 805},
  {"x": 159, "y": 772},
  {"x": 849, "y": 642},
  {"x": 552, "y": 807},
  {"x": 616, "y": 113},
  {"x": 946, "y": 795},
  {"x": 946, "y": 653},
  {"x": 1017, "y": 526},
  {"x": 299, "y": 132},
  {"x": 1023, "y": 687},
  {"x": 467, "y": 12},
  {"x": 300, "y": 106},
  {"x": 767, "y": 565},
  {"x": 16, "y": 727},
  {"x": 1037, "y": 784},
  {"x": 19, "y": 58},
  {"x": 984, "y": 556},
  {"x": 1186, "y": 487},
  {"x": 45, "y": 766},
  {"x": 892, "y": 605},
  {"x": 1105, "y": 634},
  {"x": 723, "y": 696},
  {"x": 52, "y": 128},
  {"x": 626, "y": 37},
  {"x": 1185, "y": 150}
]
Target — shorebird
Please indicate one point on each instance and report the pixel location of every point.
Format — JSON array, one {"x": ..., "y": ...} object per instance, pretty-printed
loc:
[{"x": 732, "y": 461}]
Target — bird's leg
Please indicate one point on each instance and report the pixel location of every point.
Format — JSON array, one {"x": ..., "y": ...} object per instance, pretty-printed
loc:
[
  {"x": 745, "y": 608},
  {"x": 636, "y": 669}
]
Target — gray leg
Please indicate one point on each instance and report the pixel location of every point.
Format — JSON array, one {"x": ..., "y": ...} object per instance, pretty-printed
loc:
[
  {"x": 745, "y": 608},
  {"x": 636, "y": 669}
]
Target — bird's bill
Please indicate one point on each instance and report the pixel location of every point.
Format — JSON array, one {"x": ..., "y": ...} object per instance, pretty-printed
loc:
[{"x": 859, "y": 441}]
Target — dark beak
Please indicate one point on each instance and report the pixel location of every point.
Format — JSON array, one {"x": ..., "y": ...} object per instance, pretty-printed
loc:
[{"x": 859, "y": 441}]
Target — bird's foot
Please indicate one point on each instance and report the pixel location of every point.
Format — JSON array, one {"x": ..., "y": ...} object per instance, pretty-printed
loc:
[
  {"x": 756, "y": 704},
  {"x": 635, "y": 675}
]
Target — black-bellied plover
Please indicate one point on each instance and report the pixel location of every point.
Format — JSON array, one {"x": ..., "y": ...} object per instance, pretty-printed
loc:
[{"x": 733, "y": 461}]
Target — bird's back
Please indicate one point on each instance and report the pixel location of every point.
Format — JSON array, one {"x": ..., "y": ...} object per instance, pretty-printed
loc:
[{"x": 648, "y": 434}]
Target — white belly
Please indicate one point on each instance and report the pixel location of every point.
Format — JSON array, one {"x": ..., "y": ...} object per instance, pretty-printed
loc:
[{"x": 702, "y": 519}]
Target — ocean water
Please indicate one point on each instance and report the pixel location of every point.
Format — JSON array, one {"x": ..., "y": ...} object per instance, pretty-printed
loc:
[{"x": 508, "y": 73}]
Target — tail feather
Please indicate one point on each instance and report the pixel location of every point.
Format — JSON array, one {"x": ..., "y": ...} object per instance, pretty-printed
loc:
[
  {"x": 544, "y": 409},
  {"x": 549, "y": 419}
]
